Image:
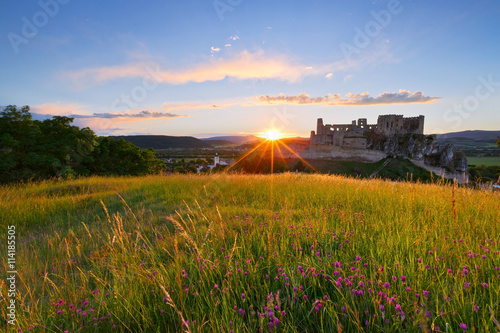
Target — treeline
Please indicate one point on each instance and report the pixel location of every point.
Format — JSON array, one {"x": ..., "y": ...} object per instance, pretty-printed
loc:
[
  {"x": 35, "y": 150},
  {"x": 484, "y": 174}
]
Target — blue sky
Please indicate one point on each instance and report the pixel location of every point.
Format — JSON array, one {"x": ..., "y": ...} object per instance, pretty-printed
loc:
[{"x": 221, "y": 67}]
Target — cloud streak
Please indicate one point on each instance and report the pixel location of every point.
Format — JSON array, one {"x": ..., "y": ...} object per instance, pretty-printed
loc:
[
  {"x": 142, "y": 114},
  {"x": 401, "y": 97},
  {"x": 103, "y": 123},
  {"x": 243, "y": 66}
]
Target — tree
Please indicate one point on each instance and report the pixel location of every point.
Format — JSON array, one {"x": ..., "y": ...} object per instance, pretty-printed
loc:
[
  {"x": 18, "y": 138},
  {"x": 120, "y": 157},
  {"x": 63, "y": 149},
  {"x": 300, "y": 166},
  {"x": 32, "y": 150}
]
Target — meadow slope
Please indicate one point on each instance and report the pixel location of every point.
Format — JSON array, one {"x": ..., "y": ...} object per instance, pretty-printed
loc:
[{"x": 252, "y": 253}]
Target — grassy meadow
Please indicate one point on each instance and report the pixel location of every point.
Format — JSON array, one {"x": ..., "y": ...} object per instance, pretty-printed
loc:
[
  {"x": 252, "y": 253},
  {"x": 487, "y": 161}
]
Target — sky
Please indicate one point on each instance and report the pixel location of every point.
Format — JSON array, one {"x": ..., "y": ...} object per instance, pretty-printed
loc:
[{"x": 237, "y": 67}]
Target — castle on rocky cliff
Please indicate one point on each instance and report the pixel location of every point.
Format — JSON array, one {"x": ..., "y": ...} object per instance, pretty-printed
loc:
[{"x": 354, "y": 135}]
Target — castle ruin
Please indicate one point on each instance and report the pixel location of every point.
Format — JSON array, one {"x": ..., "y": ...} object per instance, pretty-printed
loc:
[{"x": 354, "y": 136}]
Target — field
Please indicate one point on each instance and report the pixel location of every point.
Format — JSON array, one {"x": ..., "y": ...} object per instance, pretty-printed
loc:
[
  {"x": 252, "y": 253},
  {"x": 487, "y": 161}
]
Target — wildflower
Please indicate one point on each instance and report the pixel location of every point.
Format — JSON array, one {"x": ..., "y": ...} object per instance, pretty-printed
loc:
[
  {"x": 403, "y": 278},
  {"x": 426, "y": 294},
  {"x": 216, "y": 286},
  {"x": 463, "y": 327},
  {"x": 387, "y": 285}
]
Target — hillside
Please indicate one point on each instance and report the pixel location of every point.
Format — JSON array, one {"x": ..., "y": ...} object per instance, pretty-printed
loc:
[
  {"x": 236, "y": 139},
  {"x": 165, "y": 142},
  {"x": 286, "y": 252},
  {"x": 219, "y": 143},
  {"x": 474, "y": 135}
]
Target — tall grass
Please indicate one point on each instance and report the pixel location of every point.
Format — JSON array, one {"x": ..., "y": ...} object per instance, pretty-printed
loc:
[{"x": 247, "y": 253}]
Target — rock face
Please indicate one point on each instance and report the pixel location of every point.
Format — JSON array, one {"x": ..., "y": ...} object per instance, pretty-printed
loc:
[{"x": 421, "y": 147}]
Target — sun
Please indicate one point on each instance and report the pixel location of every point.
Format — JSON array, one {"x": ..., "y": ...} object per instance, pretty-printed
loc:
[{"x": 272, "y": 135}]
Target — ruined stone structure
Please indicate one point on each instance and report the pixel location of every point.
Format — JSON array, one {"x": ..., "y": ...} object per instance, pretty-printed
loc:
[
  {"x": 392, "y": 136},
  {"x": 353, "y": 136}
]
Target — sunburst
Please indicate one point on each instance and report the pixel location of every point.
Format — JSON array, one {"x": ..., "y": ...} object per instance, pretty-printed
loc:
[{"x": 272, "y": 135}]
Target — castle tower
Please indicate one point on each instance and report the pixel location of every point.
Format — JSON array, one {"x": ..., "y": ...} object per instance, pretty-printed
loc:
[
  {"x": 319, "y": 127},
  {"x": 362, "y": 122},
  {"x": 421, "y": 124}
]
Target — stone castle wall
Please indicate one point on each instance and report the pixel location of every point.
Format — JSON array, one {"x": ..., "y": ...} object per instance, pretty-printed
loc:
[{"x": 353, "y": 135}]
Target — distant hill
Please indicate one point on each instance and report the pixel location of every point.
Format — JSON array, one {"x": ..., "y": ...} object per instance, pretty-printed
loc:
[
  {"x": 236, "y": 139},
  {"x": 165, "y": 142},
  {"x": 474, "y": 135},
  {"x": 219, "y": 143}
]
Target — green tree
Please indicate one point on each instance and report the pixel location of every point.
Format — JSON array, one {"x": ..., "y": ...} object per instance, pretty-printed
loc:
[
  {"x": 120, "y": 157},
  {"x": 32, "y": 149},
  {"x": 18, "y": 138},
  {"x": 63, "y": 149}
]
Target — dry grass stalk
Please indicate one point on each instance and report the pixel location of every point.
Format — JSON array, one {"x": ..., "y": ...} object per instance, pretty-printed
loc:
[
  {"x": 170, "y": 302},
  {"x": 184, "y": 234}
]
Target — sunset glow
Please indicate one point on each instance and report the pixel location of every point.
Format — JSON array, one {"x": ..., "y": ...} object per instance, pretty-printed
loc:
[{"x": 272, "y": 135}]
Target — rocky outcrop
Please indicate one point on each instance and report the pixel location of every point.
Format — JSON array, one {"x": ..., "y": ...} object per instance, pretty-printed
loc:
[
  {"x": 421, "y": 147},
  {"x": 449, "y": 158}
]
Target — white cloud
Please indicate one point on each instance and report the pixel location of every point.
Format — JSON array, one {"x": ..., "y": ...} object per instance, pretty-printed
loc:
[{"x": 329, "y": 75}]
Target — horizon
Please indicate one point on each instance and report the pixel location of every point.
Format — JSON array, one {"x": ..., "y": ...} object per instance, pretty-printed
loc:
[{"x": 228, "y": 68}]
